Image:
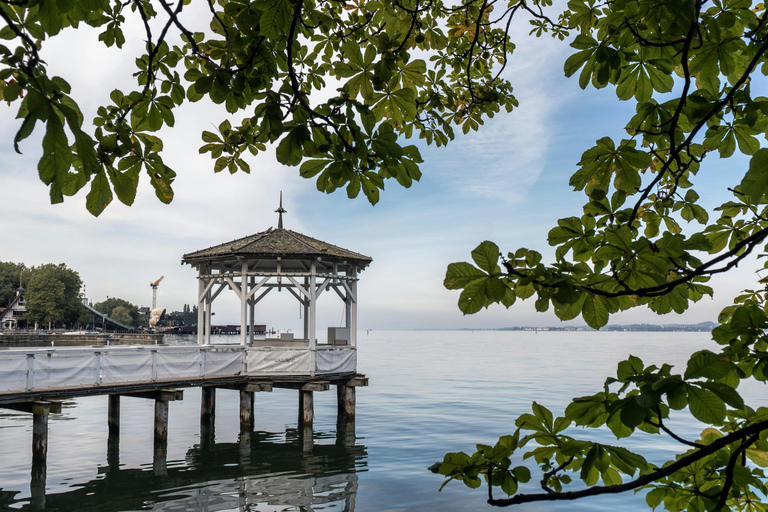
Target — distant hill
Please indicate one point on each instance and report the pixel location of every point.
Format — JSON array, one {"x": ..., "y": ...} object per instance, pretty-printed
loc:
[{"x": 700, "y": 327}]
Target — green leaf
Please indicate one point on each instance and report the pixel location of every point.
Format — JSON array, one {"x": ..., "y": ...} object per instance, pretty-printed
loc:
[
  {"x": 458, "y": 275},
  {"x": 486, "y": 256},
  {"x": 100, "y": 195},
  {"x": 755, "y": 181},
  {"x": 57, "y": 156},
  {"x": 594, "y": 311},
  {"x": 705, "y": 406},
  {"x": 473, "y": 298}
]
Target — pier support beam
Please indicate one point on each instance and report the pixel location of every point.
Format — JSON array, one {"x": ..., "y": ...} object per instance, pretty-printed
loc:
[
  {"x": 345, "y": 396},
  {"x": 113, "y": 416},
  {"x": 159, "y": 462},
  {"x": 40, "y": 411},
  {"x": 208, "y": 405},
  {"x": 161, "y": 422},
  {"x": 246, "y": 411},
  {"x": 306, "y": 408}
]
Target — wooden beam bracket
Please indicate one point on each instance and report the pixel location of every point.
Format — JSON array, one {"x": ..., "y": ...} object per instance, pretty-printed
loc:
[
  {"x": 38, "y": 407},
  {"x": 358, "y": 381},
  {"x": 164, "y": 395}
]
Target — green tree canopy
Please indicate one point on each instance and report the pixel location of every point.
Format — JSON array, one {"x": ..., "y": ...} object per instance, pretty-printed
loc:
[
  {"x": 694, "y": 71},
  {"x": 269, "y": 62},
  {"x": 121, "y": 314},
  {"x": 10, "y": 280},
  {"x": 109, "y": 306},
  {"x": 53, "y": 296}
]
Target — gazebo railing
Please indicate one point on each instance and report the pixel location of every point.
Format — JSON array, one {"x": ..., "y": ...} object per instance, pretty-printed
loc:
[{"x": 43, "y": 368}]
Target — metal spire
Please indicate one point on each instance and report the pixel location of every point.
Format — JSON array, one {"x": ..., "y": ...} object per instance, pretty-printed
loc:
[{"x": 281, "y": 211}]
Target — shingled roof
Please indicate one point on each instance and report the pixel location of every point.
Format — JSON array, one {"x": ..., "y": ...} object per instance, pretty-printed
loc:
[{"x": 273, "y": 243}]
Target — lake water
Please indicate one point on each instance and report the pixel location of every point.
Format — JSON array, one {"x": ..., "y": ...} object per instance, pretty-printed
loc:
[{"x": 430, "y": 392}]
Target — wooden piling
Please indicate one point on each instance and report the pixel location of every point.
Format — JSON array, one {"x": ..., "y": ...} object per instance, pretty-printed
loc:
[
  {"x": 246, "y": 411},
  {"x": 208, "y": 405},
  {"x": 306, "y": 407},
  {"x": 345, "y": 395},
  {"x": 161, "y": 422},
  {"x": 113, "y": 415},
  {"x": 39, "y": 436}
]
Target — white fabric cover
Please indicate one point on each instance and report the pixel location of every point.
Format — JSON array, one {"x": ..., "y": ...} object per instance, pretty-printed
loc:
[
  {"x": 13, "y": 372},
  {"x": 64, "y": 369},
  {"x": 117, "y": 366},
  {"x": 223, "y": 362},
  {"x": 336, "y": 360},
  {"x": 178, "y": 363},
  {"x": 266, "y": 361}
]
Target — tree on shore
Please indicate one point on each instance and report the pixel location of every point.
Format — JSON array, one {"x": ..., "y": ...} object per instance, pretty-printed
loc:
[
  {"x": 109, "y": 306},
  {"x": 10, "y": 280},
  {"x": 53, "y": 296}
]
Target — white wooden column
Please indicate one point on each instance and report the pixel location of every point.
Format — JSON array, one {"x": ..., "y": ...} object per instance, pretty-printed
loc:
[
  {"x": 313, "y": 317},
  {"x": 243, "y": 302},
  {"x": 200, "y": 306},
  {"x": 305, "y": 305},
  {"x": 353, "y": 309},
  {"x": 209, "y": 303},
  {"x": 252, "y": 313}
]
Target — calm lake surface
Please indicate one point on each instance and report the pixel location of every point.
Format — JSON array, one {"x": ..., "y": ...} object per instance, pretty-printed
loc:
[{"x": 430, "y": 392}]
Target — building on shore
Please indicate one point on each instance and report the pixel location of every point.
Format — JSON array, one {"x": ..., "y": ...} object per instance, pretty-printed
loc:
[{"x": 12, "y": 316}]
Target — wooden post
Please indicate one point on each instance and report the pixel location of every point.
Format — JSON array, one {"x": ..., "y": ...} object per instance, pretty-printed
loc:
[
  {"x": 306, "y": 408},
  {"x": 159, "y": 462},
  {"x": 345, "y": 396},
  {"x": 246, "y": 411},
  {"x": 208, "y": 405},
  {"x": 113, "y": 416},
  {"x": 161, "y": 422},
  {"x": 40, "y": 436}
]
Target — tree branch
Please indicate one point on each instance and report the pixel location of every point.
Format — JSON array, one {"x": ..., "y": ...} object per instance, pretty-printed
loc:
[{"x": 700, "y": 453}]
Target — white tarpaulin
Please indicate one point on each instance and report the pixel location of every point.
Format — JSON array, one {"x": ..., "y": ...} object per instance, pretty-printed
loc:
[
  {"x": 126, "y": 366},
  {"x": 178, "y": 363},
  {"x": 13, "y": 372},
  {"x": 223, "y": 362},
  {"x": 64, "y": 369},
  {"x": 279, "y": 361},
  {"x": 336, "y": 360}
]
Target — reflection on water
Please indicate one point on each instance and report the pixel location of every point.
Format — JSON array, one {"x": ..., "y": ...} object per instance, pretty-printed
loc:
[{"x": 262, "y": 471}]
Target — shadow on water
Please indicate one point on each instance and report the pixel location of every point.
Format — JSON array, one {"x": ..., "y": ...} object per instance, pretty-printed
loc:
[{"x": 282, "y": 471}]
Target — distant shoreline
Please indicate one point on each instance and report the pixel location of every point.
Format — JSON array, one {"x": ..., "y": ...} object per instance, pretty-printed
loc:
[{"x": 700, "y": 327}]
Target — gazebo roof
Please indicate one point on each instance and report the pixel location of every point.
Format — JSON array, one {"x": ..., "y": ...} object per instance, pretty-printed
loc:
[{"x": 274, "y": 243}]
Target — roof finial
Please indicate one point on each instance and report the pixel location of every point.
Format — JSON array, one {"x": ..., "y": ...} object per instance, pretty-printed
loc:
[{"x": 281, "y": 211}]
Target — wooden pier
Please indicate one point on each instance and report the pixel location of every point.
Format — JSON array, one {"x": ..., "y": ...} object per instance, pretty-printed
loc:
[{"x": 36, "y": 380}]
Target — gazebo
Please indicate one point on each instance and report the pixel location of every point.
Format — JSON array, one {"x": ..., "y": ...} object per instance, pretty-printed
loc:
[{"x": 254, "y": 266}]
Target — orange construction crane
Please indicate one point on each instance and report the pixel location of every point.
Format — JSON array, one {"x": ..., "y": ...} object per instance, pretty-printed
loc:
[{"x": 154, "y": 292}]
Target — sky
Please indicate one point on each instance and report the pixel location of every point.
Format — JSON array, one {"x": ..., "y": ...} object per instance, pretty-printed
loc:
[{"x": 507, "y": 183}]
